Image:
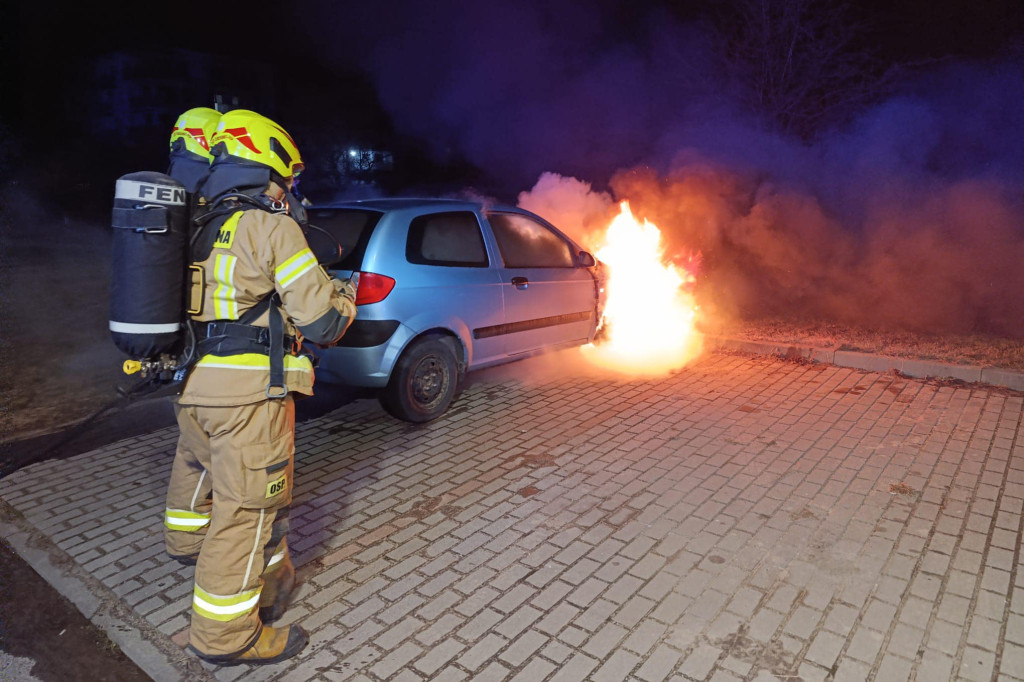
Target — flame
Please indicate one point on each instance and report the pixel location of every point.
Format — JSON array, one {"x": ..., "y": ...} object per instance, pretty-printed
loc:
[{"x": 650, "y": 315}]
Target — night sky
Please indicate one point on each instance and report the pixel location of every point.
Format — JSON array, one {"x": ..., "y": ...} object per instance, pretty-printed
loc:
[{"x": 431, "y": 55}]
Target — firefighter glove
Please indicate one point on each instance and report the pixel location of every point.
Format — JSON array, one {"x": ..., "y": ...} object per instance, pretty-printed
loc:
[{"x": 346, "y": 287}]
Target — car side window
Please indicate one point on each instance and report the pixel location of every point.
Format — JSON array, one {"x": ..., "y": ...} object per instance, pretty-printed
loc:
[
  {"x": 447, "y": 239},
  {"x": 525, "y": 243}
]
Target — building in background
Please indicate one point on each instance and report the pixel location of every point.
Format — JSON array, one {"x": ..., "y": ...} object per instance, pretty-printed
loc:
[{"x": 135, "y": 91}]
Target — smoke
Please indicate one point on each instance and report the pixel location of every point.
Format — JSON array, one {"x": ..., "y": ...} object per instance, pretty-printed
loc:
[
  {"x": 909, "y": 216},
  {"x": 572, "y": 205},
  {"x": 523, "y": 88}
]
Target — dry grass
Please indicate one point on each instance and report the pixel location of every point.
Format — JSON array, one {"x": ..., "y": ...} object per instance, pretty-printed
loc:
[{"x": 975, "y": 349}]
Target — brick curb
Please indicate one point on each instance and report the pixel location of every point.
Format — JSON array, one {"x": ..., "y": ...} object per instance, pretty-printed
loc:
[
  {"x": 911, "y": 367},
  {"x": 155, "y": 653}
]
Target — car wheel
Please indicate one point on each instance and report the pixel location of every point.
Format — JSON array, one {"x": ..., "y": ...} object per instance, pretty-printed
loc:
[{"x": 423, "y": 382}]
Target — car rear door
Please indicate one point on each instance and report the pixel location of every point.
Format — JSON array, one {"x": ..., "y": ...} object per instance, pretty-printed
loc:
[
  {"x": 549, "y": 300},
  {"x": 451, "y": 272}
]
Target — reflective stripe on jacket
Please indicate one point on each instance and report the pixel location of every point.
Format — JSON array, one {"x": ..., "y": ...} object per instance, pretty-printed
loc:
[{"x": 255, "y": 254}]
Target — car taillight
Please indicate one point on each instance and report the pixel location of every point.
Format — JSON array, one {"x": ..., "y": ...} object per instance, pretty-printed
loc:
[{"x": 373, "y": 288}]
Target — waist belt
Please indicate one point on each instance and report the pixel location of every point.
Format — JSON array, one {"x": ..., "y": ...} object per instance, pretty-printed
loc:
[
  {"x": 221, "y": 329},
  {"x": 226, "y": 337}
]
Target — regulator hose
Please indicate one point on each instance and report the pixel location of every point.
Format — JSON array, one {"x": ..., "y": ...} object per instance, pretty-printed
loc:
[{"x": 153, "y": 384}]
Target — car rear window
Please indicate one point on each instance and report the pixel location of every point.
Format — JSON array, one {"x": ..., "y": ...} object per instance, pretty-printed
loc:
[
  {"x": 447, "y": 239},
  {"x": 352, "y": 228}
]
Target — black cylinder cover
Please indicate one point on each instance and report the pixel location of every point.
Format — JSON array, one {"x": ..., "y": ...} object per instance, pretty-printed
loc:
[{"x": 151, "y": 225}]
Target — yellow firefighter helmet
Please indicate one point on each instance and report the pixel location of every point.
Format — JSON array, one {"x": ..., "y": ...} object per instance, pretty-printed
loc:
[
  {"x": 247, "y": 135},
  {"x": 195, "y": 129}
]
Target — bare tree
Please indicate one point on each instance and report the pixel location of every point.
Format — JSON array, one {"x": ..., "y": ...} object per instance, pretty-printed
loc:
[{"x": 801, "y": 62}]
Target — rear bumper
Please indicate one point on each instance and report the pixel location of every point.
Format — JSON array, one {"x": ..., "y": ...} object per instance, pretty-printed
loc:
[
  {"x": 365, "y": 355},
  {"x": 367, "y": 333}
]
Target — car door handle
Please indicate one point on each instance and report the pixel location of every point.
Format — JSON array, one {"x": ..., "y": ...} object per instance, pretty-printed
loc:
[{"x": 520, "y": 282}]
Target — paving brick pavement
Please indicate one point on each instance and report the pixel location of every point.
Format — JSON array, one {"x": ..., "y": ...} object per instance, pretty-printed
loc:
[{"x": 743, "y": 519}]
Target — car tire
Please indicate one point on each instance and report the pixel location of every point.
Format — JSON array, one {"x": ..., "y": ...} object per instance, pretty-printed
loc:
[{"x": 423, "y": 383}]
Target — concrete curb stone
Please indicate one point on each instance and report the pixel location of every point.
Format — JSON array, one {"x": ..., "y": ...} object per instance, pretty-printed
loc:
[
  {"x": 1003, "y": 377},
  {"x": 911, "y": 367},
  {"x": 154, "y": 652}
]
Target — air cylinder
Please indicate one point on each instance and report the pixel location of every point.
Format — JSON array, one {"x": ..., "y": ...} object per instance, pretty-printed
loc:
[{"x": 151, "y": 224}]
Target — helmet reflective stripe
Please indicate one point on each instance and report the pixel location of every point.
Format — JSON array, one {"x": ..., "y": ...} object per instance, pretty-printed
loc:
[
  {"x": 134, "y": 328},
  {"x": 293, "y": 268},
  {"x": 243, "y": 137},
  {"x": 195, "y": 128},
  {"x": 179, "y": 519},
  {"x": 225, "y": 307},
  {"x": 217, "y": 607},
  {"x": 255, "y": 361},
  {"x": 199, "y": 134}
]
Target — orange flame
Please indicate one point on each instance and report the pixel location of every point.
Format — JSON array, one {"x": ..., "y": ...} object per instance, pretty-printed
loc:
[{"x": 649, "y": 315}]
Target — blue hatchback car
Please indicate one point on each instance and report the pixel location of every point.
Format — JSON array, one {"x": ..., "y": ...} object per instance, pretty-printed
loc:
[{"x": 449, "y": 286}]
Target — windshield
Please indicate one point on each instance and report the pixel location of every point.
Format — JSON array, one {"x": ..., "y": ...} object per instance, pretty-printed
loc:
[{"x": 352, "y": 228}]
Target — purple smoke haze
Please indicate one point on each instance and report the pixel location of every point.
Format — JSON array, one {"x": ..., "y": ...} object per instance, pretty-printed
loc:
[{"x": 911, "y": 215}]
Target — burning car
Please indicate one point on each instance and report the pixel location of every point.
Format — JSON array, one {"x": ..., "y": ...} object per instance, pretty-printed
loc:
[{"x": 447, "y": 287}]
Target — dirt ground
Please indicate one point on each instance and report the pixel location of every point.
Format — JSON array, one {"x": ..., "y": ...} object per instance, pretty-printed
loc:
[
  {"x": 48, "y": 637},
  {"x": 58, "y": 363},
  {"x": 976, "y": 349}
]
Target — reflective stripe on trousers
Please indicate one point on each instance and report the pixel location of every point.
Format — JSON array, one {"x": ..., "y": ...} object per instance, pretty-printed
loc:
[
  {"x": 224, "y": 608},
  {"x": 179, "y": 519}
]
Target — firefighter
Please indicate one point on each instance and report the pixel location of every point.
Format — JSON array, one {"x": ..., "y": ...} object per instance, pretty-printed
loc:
[
  {"x": 190, "y": 146},
  {"x": 231, "y": 481}
]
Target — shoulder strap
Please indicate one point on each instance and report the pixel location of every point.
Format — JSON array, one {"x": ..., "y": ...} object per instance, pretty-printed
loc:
[
  {"x": 276, "y": 388},
  {"x": 208, "y": 223},
  {"x": 209, "y": 220},
  {"x": 252, "y": 314}
]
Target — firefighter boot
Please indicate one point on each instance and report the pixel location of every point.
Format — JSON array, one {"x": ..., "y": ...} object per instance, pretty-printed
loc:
[{"x": 272, "y": 646}]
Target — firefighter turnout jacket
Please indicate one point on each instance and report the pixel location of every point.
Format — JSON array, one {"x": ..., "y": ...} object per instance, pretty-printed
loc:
[{"x": 255, "y": 254}]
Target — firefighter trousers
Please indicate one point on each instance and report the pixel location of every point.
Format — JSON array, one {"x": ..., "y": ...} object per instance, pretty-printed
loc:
[{"x": 227, "y": 504}]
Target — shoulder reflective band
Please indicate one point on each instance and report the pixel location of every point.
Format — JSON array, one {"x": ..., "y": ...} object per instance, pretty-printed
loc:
[
  {"x": 150, "y": 192},
  {"x": 135, "y": 328},
  {"x": 216, "y": 607},
  {"x": 179, "y": 519},
  {"x": 295, "y": 267}
]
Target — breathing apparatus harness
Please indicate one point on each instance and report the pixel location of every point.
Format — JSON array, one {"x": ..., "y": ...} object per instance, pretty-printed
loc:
[
  {"x": 162, "y": 236},
  {"x": 236, "y": 337},
  {"x": 158, "y": 223}
]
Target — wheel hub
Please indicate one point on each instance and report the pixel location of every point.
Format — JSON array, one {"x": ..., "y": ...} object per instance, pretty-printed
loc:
[{"x": 428, "y": 380}]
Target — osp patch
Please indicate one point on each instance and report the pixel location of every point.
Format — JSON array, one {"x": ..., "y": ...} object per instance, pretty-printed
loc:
[{"x": 277, "y": 487}]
